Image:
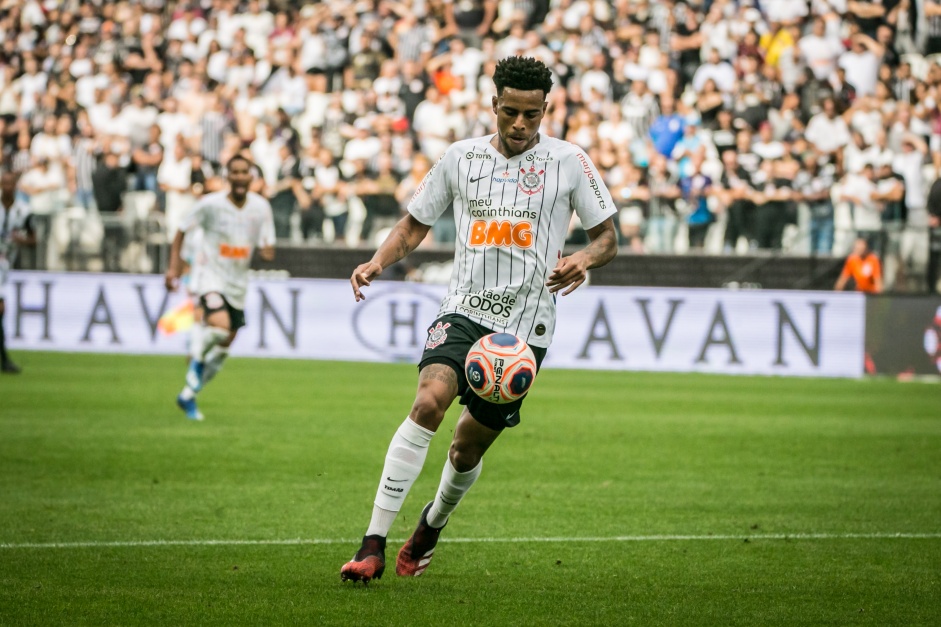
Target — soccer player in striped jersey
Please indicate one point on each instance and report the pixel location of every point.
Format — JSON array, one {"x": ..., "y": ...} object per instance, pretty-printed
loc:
[
  {"x": 513, "y": 195},
  {"x": 233, "y": 223},
  {"x": 16, "y": 229}
]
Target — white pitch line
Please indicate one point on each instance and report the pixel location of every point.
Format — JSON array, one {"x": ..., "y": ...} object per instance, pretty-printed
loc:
[{"x": 558, "y": 540}]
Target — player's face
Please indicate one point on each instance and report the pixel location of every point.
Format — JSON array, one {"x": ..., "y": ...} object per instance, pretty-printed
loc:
[
  {"x": 519, "y": 114},
  {"x": 240, "y": 178}
]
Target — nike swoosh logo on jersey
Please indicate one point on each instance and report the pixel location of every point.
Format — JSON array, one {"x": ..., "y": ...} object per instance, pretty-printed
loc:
[
  {"x": 478, "y": 178},
  {"x": 395, "y": 480}
]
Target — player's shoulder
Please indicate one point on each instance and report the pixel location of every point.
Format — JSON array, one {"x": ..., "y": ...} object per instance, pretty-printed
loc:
[
  {"x": 212, "y": 199},
  {"x": 558, "y": 148},
  {"x": 555, "y": 150},
  {"x": 258, "y": 201}
]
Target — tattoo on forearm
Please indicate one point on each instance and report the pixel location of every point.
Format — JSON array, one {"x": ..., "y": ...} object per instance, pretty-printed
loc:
[
  {"x": 602, "y": 248},
  {"x": 402, "y": 248}
]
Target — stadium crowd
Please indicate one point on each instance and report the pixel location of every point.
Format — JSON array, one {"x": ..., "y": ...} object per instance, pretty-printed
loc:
[{"x": 723, "y": 126}]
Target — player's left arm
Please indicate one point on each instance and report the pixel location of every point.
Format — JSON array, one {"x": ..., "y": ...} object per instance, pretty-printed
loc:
[
  {"x": 593, "y": 204},
  {"x": 175, "y": 266},
  {"x": 267, "y": 237},
  {"x": 266, "y": 253},
  {"x": 572, "y": 271}
]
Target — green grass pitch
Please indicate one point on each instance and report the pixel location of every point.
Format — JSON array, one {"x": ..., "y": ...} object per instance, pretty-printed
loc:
[{"x": 635, "y": 499}]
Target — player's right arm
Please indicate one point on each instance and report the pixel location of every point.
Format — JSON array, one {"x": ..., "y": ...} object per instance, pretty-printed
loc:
[
  {"x": 431, "y": 198},
  {"x": 405, "y": 237},
  {"x": 190, "y": 221}
]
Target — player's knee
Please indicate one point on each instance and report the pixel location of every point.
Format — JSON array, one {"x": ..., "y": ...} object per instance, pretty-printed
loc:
[
  {"x": 463, "y": 457},
  {"x": 428, "y": 411}
]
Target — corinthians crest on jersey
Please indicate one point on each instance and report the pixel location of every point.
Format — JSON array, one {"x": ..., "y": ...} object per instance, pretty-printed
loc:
[
  {"x": 437, "y": 335},
  {"x": 531, "y": 181}
]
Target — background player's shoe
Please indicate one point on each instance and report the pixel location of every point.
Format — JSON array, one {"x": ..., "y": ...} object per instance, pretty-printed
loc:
[
  {"x": 368, "y": 563},
  {"x": 415, "y": 556},
  {"x": 194, "y": 375},
  {"x": 189, "y": 407},
  {"x": 9, "y": 368}
]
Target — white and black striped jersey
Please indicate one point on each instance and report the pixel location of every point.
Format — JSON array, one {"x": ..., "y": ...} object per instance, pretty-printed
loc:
[
  {"x": 512, "y": 218},
  {"x": 229, "y": 237},
  {"x": 16, "y": 217}
]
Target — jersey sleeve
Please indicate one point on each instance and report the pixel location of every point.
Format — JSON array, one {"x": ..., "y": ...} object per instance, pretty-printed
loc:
[
  {"x": 434, "y": 193},
  {"x": 591, "y": 199},
  {"x": 196, "y": 217}
]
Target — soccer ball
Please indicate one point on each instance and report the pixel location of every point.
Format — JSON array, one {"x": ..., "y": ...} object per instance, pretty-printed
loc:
[{"x": 500, "y": 368}]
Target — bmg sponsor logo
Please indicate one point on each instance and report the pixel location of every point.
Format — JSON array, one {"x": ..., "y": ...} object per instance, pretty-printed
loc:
[{"x": 501, "y": 233}]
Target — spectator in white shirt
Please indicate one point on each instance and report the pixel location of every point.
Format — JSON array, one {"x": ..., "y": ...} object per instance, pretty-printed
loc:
[
  {"x": 718, "y": 70},
  {"x": 858, "y": 190},
  {"x": 820, "y": 51},
  {"x": 827, "y": 132},
  {"x": 172, "y": 124},
  {"x": 174, "y": 176},
  {"x": 766, "y": 147},
  {"x": 861, "y": 63}
]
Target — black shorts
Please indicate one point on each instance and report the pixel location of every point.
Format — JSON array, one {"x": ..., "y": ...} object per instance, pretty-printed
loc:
[
  {"x": 450, "y": 337},
  {"x": 220, "y": 302}
]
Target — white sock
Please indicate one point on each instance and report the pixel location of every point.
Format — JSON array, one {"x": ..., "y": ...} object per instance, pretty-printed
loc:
[
  {"x": 187, "y": 393},
  {"x": 214, "y": 360},
  {"x": 404, "y": 462},
  {"x": 203, "y": 338},
  {"x": 197, "y": 331},
  {"x": 454, "y": 485}
]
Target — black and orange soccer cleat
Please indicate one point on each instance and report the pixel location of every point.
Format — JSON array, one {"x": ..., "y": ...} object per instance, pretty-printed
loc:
[
  {"x": 415, "y": 556},
  {"x": 369, "y": 562}
]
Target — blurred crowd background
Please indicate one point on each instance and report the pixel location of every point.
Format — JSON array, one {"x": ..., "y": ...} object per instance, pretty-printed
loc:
[{"x": 721, "y": 127}]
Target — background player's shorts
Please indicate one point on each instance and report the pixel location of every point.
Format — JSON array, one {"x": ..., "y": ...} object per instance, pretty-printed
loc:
[
  {"x": 450, "y": 337},
  {"x": 214, "y": 301}
]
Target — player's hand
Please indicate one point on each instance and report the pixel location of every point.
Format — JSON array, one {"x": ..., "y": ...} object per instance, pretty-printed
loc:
[
  {"x": 569, "y": 273},
  {"x": 362, "y": 276},
  {"x": 171, "y": 280}
]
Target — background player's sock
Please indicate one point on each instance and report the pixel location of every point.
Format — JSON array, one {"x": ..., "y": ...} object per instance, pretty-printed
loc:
[
  {"x": 197, "y": 331},
  {"x": 404, "y": 462},
  {"x": 214, "y": 360},
  {"x": 454, "y": 485},
  {"x": 203, "y": 338},
  {"x": 3, "y": 343}
]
